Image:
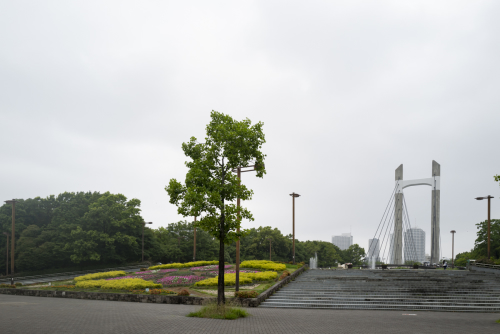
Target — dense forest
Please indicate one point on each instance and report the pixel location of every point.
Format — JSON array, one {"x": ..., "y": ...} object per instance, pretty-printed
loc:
[{"x": 86, "y": 229}]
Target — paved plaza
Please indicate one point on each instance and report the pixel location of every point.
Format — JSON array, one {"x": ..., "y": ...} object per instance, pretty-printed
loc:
[{"x": 21, "y": 314}]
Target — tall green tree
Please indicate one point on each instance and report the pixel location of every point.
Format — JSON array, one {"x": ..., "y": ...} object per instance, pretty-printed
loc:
[{"x": 211, "y": 187}]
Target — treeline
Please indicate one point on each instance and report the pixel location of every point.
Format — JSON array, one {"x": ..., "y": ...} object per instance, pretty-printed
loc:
[
  {"x": 480, "y": 250},
  {"x": 87, "y": 229}
]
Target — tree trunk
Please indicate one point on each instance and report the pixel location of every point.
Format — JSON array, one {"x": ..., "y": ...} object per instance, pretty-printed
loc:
[{"x": 221, "y": 298}]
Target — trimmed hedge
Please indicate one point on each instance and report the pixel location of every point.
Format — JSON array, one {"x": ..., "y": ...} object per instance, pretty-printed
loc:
[
  {"x": 263, "y": 264},
  {"x": 229, "y": 279},
  {"x": 184, "y": 265},
  {"x": 107, "y": 274},
  {"x": 246, "y": 294},
  {"x": 119, "y": 284}
]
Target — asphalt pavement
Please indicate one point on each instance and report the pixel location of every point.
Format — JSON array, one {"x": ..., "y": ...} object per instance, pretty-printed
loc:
[{"x": 26, "y": 315}]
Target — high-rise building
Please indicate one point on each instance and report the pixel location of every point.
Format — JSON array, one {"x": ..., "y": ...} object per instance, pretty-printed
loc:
[
  {"x": 390, "y": 259},
  {"x": 343, "y": 241},
  {"x": 374, "y": 249},
  {"x": 414, "y": 242}
]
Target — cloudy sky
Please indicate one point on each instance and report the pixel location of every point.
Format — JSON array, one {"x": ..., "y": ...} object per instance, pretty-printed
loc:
[{"x": 100, "y": 95}]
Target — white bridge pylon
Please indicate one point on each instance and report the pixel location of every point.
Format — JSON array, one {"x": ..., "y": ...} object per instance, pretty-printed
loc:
[{"x": 434, "y": 182}]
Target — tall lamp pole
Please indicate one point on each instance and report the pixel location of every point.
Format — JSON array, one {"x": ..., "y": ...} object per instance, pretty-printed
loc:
[
  {"x": 143, "y": 224},
  {"x": 13, "y": 236},
  {"x": 293, "y": 210},
  {"x": 7, "y": 252},
  {"x": 453, "y": 248},
  {"x": 489, "y": 220},
  {"x": 238, "y": 172},
  {"x": 194, "y": 242}
]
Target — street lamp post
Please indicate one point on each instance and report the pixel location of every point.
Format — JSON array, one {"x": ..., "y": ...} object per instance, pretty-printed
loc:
[
  {"x": 489, "y": 220},
  {"x": 7, "y": 257},
  {"x": 453, "y": 248},
  {"x": 293, "y": 210},
  {"x": 13, "y": 236},
  {"x": 238, "y": 172},
  {"x": 143, "y": 224},
  {"x": 270, "y": 240}
]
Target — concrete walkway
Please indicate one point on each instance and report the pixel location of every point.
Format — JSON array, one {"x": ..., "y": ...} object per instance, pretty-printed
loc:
[{"x": 20, "y": 314}]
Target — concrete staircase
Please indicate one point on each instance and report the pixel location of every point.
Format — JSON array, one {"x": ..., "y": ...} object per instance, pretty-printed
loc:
[{"x": 430, "y": 290}]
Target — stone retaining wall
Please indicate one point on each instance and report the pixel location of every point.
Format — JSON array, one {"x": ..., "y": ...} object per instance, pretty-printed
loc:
[{"x": 126, "y": 297}]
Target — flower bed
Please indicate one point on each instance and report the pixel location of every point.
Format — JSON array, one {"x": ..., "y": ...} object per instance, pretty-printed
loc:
[
  {"x": 263, "y": 264},
  {"x": 183, "y": 265},
  {"x": 100, "y": 275},
  {"x": 122, "y": 284},
  {"x": 179, "y": 280}
]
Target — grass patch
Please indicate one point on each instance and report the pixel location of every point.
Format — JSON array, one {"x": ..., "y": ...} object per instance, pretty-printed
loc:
[
  {"x": 221, "y": 312},
  {"x": 498, "y": 321}
]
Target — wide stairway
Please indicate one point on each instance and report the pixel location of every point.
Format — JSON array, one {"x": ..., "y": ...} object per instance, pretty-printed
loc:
[{"x": 430, "y": 290}]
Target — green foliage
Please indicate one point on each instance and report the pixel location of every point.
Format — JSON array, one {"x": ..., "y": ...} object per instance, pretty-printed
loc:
[
  {"x": 87, "y": 228},
  {"x": 215, "y": 311},
  {"x": 481, "y": 244},
  {"x": 263, "y": 264},
  {"x": 118, "y": 284},
  {"x": 354, "y": 255},
  {"x": 246, "y": 294},
  {"x": 183, "y": 265},
  {"x": 211, "y": 188},
  {"x": 100, "y": 275}
]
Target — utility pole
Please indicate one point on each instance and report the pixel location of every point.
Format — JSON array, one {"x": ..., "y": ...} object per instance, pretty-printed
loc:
[
  {"x": 293, "y": 213},
  {"x": 453, "y": 248},
  {"x": 194, "y": 243},
  {"x": 238, "y": 172},
  {"x": 7, "y": 257},
  {"x": 13, "y": 237},
  {"x": 143, "y": 224},
  {"x": 489, "y": 220}
]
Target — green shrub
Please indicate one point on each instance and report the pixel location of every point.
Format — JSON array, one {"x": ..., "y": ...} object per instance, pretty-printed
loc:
[
  {"x": 183, "y": 292},
  {"x": 184, "y": 265},
  {"x": 220, "y": 312},
  {"x": 8, "y": 286},
  {"x": 246, "y": 294},
  {"x": 263, "y": 264},
  {"x": 18, "y": 284},
  {"x": 107, "y": 274},
  {"x": 284, "y": 274},
  {"x": 119, "y": 284},
  {"x": 229, "y": 279}
]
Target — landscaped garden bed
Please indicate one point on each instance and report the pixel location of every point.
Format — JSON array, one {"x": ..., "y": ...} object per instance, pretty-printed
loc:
[{"x": 196, "y": 278}]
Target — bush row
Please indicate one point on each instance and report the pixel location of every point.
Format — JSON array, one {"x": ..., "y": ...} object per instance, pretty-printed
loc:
[
  {"x": 122, "y": 284},
  {"x": 245, "y": 278},
  {"x": 263, "y": 264},
  {"x": 100, "y": 275},
  {"x": 183, "y": 265},
  {"x": 246, "y": 294},
  {"x": 229, "y": 279}
]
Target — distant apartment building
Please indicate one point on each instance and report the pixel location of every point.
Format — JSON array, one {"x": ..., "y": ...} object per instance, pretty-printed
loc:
[
  {"x": 342, "y": 241},
  {"x": 414, "y": 239},
  {"x": 374, "y": 249}
]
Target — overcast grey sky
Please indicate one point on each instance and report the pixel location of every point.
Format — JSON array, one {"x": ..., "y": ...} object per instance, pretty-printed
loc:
[{"x": 100, "y": 95}]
